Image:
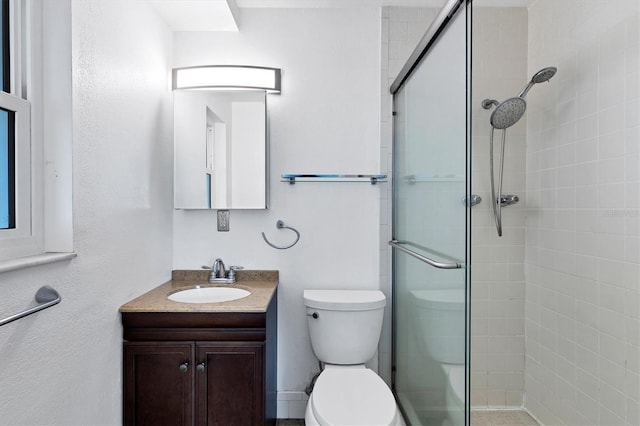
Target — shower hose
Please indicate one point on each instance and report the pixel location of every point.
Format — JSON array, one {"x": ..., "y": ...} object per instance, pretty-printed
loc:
[{"x": 496, "y": 200}]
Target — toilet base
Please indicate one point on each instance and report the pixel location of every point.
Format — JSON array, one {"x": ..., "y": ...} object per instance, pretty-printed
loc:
[
  {"x": 309, "y": 418},
  {"x": 455, "y": 393}
]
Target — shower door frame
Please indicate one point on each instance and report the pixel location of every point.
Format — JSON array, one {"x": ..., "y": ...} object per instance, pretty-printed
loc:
[{"x": 437, "y": 27}]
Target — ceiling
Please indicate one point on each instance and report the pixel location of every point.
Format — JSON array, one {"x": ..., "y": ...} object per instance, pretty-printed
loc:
[
  {"x": 198, "y": 15},
  {"x": 223, "y": 15}
]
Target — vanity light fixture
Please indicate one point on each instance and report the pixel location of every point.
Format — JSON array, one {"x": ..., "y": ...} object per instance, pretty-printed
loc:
[{"x": 227, "y": 77}]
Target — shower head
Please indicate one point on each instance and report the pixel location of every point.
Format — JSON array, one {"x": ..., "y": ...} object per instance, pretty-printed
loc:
[
  {"x": 541, "y": 76},
  {"x": 544, "y": 74},
  {"x": 508, "y": 113}
]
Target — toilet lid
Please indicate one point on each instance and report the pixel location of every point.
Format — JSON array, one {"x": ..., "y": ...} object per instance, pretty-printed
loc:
[
  {"x": 345, "y": 300},
  {"x": 352, "y": 397}
]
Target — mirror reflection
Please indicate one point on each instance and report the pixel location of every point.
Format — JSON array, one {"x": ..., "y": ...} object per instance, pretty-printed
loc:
[{"x": 220, "y": 150}]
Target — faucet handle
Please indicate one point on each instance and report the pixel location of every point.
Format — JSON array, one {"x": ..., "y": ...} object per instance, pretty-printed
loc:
[{"x": 232, "y": 271}]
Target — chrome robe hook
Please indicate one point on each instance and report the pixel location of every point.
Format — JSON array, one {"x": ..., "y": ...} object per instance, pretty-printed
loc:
[{"x": 280, "y": 225}]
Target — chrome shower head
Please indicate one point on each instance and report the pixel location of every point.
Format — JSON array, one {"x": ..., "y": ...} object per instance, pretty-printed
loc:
[
  {"x": 544, "y": 74},
  {"x": 508, "y": 112},
  {"x": 541, "y": 76}
]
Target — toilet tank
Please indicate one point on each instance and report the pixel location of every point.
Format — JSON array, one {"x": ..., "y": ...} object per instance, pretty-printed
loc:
[{"x": 344, "y": 325}]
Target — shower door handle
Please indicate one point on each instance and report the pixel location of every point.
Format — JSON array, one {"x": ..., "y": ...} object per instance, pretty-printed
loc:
[{"x": 441, "y": 265}]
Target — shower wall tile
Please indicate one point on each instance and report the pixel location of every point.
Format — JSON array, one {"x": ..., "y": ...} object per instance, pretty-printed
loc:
[
  {"x": 498, "y": 274},
  {"x": 582, "y": 259}
]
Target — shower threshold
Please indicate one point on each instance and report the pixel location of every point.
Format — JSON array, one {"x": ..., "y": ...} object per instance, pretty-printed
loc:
[{"x": 502, "y": 417}]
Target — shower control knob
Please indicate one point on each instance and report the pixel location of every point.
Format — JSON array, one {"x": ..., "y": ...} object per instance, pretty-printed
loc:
[{"x": 508, "y": 200}]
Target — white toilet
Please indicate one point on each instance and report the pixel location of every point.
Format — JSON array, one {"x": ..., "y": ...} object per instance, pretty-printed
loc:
[
  {"x": 345, "y": 328},
  {"x": 439, "y": 329}
]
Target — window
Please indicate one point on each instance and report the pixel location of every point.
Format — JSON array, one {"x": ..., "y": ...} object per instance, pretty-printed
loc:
[
  {"x": 7, "y": 169},
  {"x": 5, "y": 59},
  {"x": 32, "y": 55},
  {"x": 18, "y": 225},
  {"x": 7, "y": 141}
]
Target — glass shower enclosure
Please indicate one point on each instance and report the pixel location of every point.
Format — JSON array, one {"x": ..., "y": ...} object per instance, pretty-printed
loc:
[{"x": 431, "y": 224}]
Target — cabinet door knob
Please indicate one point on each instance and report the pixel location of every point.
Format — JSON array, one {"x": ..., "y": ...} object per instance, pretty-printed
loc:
[
  {"x": 184, "y": 367},
  {"x": 200, "y": 367}
]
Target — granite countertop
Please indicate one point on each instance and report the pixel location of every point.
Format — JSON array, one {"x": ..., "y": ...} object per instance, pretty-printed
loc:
[{"x": 261, "y": 284}]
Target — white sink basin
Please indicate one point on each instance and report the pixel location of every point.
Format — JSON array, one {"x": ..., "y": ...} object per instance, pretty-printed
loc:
[{"x": 209, "y": 295}]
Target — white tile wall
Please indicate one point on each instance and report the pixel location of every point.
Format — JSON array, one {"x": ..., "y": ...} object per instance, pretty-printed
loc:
[
  {"x": 582, "y": 259},
  {"x": 498, "y": 288}
]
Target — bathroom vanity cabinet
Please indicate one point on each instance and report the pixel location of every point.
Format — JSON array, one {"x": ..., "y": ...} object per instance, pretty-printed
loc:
[{"x": 200, "y": 368}]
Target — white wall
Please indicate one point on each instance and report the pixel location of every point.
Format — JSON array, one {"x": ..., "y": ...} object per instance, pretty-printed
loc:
[
  {"x": 325, "y": 121},
  {"x": 63, "y": 365},
  {"x": 583, "y": 220}
]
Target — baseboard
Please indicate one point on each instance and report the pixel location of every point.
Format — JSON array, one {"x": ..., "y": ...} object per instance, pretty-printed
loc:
[{"x": 291, "y": 404}]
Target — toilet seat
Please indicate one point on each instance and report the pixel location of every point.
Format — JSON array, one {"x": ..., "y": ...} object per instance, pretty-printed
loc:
[{"x": 352, "y": 396}]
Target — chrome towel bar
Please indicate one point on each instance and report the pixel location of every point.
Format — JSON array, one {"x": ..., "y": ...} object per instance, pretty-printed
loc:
[
  {"x": 441, "y": 265},
  {"x": 292, "y": 178},
  {"x": 45, "y": 296}
]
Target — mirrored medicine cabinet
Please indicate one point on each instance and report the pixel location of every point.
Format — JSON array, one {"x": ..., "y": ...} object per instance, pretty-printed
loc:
[{"x": 220, "y": 143}]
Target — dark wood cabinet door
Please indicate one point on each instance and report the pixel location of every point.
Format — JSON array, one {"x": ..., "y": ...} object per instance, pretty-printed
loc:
[
  {"x": 229, "y": 383},
  {"x": 158, "y": 383}
]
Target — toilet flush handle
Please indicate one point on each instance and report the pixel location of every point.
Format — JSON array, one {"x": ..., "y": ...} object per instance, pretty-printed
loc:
[{"x": 314, "y": 315}]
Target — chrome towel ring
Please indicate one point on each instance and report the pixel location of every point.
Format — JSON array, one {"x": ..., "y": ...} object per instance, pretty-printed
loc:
[{"x": 280, "y": 225}]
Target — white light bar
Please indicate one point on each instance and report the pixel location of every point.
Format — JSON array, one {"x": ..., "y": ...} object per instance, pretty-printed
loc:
[{"x": 227, "y": 77}]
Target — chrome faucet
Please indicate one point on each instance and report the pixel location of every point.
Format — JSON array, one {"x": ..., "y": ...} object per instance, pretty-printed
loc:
[
  {"x": 218, "y": 269},
  {"x": 219, "y": 273}
]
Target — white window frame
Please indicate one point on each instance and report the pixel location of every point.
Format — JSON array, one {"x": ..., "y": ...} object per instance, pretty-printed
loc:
[
  {"x": 22, "y": 240},
  {"x": 41, "y": 96}
]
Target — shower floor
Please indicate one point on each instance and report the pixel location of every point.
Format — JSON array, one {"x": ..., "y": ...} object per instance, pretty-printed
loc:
[{"x": 502, "y": 417}]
